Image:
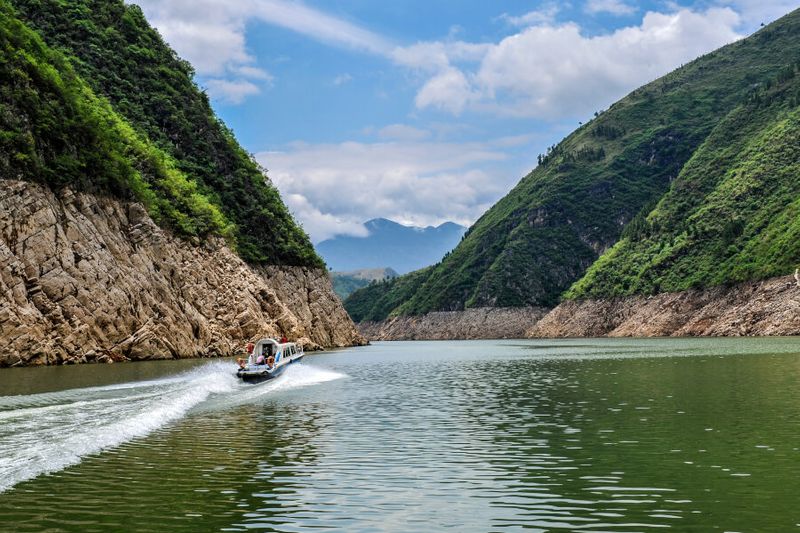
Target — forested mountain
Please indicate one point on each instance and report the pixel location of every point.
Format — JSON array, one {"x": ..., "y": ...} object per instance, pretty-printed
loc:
[
  {"x": 94, "y": 98},
  {"x": 389, "y": 244},
  {"x": 696, "y": 172},
  {"x": 346, "y": 283},
  {"x": 732, "y": 215}
]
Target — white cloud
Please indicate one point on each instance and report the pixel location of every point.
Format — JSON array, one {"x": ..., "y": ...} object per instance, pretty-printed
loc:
[
  {"x": 318, "y": 25},
  {"x": 231, "y": 91},
  {"x": 545, "y": 15},
  {"x": 252, "y": 73},
  {"x": 554, "y": 71},
  {"x": 403, "y": 132},
  {"x": 755, "y": 12},
  {"x": 432, "y": 56},
  {"x": 342, "y": 79},
  {"x": 333, "y": 188},
  {"x": 448, "y": 90},
  {"x": 321, "y": 225},
  {"x": 615, "y": 7},
  {"x": 210, "y": 34}
]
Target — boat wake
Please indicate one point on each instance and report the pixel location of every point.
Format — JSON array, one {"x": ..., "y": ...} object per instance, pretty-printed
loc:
[{"x": 45, "y": 433}]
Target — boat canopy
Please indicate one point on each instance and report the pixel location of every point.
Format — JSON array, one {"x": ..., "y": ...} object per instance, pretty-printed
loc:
[{"x": 270, "y": 347}]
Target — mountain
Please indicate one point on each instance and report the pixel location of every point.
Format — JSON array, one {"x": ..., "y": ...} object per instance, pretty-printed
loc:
[
  {"x": 121, "y": 59},
  {"x": 687, "y": 181},
  {"x": 346, "y": 283},
  {"x": 389, "y": 244},
  {"x": 132, "y": 224},
  {"x": 733, "y": 213}
]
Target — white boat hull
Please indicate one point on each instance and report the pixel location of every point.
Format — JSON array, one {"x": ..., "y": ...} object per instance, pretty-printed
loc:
[{"x": 259, "y": 373}]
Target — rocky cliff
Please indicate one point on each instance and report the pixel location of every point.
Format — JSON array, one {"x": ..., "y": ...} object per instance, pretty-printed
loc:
[
  {"x": 88, "y": 278},
  {"x": 475, "y": 323},
  {"x": 770, "y": 307}
]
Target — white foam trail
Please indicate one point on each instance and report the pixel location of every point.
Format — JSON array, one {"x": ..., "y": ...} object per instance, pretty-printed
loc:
[
  {"x": 45, "y": 433},
  {"x": 296, "y": 376}
]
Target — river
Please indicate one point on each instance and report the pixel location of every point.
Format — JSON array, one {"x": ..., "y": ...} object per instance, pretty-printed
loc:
[{"x": 580, "y": 434}]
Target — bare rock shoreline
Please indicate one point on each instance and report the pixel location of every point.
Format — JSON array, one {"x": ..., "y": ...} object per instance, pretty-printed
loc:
[
  {"x": 769, "y": 307},
  {"x": 85, "y": 278},
  {"x": 477, "y": 323}
]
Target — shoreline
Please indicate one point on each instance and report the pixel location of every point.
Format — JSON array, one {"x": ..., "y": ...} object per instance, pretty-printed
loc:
[{"x": 767, "y": 308}]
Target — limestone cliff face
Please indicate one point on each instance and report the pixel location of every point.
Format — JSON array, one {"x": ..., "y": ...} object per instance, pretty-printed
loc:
[
  {"x": 86, "y": 278},
  {"x": 770, "y": 307},
  {"x": 476, "y": 323}
]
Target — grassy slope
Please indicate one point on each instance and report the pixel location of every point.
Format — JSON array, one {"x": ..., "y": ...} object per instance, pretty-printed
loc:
[
  {"x": 732, "y": 215},
  {"x": 48, "y": 118},
  {"x": 113, "y": 48},
  {"x": 377, "y": 300},
  {"x": 541, "y": 237}
]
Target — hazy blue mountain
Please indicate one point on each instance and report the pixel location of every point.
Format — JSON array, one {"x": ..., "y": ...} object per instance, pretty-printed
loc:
[
  {"x": 346, "y": 283},
  {"x": 389, "y": 244}
]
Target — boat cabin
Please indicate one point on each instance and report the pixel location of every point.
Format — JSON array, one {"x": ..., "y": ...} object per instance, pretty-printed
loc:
[
  {"x": 269, "y": 347},
  {"x": 259, "y": 367}
]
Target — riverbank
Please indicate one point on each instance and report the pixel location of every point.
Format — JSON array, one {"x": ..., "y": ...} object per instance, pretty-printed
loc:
[
  {"x": 764, "y": 308},
  {"x": 477, "y": 323},
  {"x": 86, "y": 278}
]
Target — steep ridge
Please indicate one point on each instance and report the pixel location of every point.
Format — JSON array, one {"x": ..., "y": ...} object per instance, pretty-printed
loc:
[
  {"x": 116, "y": 52},
  {"x": 87, "y": 273},
  {"x": 543, "y": 236},
  {"x": 732, "y": 215},
  {"x": 693, "y": 265},
  {"x": 345, "y": 283}
]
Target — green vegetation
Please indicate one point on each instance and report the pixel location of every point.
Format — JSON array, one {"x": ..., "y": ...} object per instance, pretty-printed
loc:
[
  {"x": 376, "y": 301},
  {"x": 531, "y": 246},
  {"x": 48, "y": 118},
  {"x": 138, "y": 80},
  {"x": 732, "y": 215}
]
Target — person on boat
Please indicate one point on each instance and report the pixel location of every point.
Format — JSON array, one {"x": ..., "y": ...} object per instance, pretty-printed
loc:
[
  {"x": 284, "y": 340},
  {"x": 241, "y": 361},
  {"x": 250, "y": 348},
  {"x": 271, "y": 361},
  {"x": 260, "y": 360}
]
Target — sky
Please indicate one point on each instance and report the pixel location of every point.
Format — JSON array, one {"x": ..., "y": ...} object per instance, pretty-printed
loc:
[{"x": 424, "y": 111}]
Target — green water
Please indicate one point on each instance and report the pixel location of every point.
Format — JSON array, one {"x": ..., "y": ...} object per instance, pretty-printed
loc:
[{"x": 588, "y": 435}]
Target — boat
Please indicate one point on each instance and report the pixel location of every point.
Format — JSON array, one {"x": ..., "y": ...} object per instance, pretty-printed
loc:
[{"x": 257, "y": 368}]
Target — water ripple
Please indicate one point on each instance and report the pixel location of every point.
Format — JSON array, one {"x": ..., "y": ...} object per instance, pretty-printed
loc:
[{"x": 606, "y": 435}]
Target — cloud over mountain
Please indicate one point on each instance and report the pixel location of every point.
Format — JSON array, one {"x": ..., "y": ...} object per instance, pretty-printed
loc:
[{"x": 554, "y": 70}]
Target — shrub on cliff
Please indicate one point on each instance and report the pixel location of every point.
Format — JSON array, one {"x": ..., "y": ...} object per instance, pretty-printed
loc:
[
  {"x": 54, "y": 129},
  {"x": 139, "y": 79}
]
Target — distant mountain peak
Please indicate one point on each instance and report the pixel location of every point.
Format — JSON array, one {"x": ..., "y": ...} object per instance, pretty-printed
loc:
[{"x": 389, "y": 243}]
